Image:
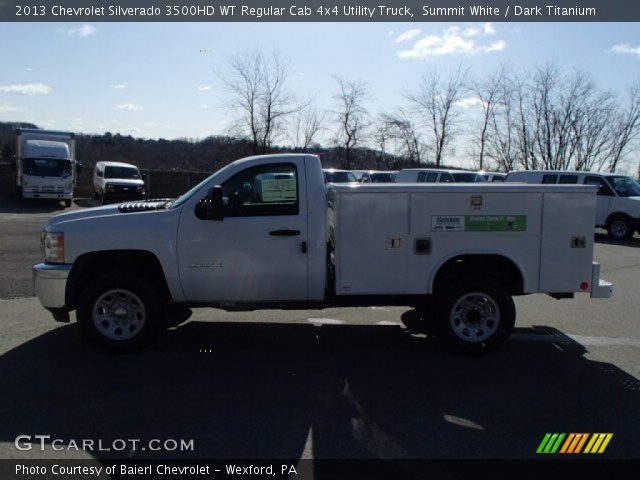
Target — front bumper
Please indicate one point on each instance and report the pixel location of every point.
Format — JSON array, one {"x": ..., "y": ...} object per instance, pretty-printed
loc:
[
  {"x": 599, "y": 288},
  {"x": 47, "y": 195},
  {"x": 50, "y": 283}
]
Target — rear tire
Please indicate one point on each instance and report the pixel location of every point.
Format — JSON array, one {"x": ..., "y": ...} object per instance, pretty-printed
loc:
[
  {"x": 67, "y": 203},
  {"x": 474, "y": 314},
  {"x": 619, "y": 228},
  {"x": 121, "y": 311}
]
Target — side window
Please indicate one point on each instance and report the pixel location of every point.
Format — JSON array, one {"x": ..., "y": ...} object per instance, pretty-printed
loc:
[
  {"x": 546, "y": 179},
  {"x": 432, "y": 177},
  {"x": 603, "y": 188},
  {"x": 422, "y": 177},
  {"x": 263, "y": 190},
  {"x": 568, "y": 179},
  {"x": 445, "y": 178}
]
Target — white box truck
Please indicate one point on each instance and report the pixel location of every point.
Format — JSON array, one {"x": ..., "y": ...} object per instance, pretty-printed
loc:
[
  {"x": 265, "y": 233},
  {"x": 45, "y": 164}
]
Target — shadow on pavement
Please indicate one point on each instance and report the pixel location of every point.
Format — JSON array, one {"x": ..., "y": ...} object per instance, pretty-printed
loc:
[
  {"x": 604, "y": 238},
  {"x": 283, "y": 391},
  {"x": 13, "y": 204}
]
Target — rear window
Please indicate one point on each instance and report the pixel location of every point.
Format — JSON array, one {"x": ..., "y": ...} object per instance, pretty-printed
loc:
[
  {"x": 568, "y": 179},
  {"x": 340, "y": 177},
  {"x": 469, "y": 177}
]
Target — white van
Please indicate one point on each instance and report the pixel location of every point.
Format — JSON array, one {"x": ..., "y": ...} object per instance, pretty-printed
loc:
[
  {"x": 113, "y": 181},
  {"x": 436, "y": 175},
  {"x": 618, "y": 205}
]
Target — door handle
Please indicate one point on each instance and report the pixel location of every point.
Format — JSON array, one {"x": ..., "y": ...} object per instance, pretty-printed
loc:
[{"x": 284, "y": 233}]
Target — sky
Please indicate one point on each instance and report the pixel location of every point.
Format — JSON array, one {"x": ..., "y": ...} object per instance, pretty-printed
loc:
[{"x": 162, "y": 80}]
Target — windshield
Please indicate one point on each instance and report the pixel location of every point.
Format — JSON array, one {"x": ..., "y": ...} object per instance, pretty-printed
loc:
[
  {"x": 46, "y": 167},
  {"x": 383, "y": 177},
  {"x": 469, "y": 177},
  {"x": 121, "y": 172},
  {"x": 186, "y": 196},
  {"x": 625, "y": 186},
  {"x": 340, "y": 177}
]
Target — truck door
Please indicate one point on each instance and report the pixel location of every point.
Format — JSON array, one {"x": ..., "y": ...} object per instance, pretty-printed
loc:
[{"x": 256, "y": 253}]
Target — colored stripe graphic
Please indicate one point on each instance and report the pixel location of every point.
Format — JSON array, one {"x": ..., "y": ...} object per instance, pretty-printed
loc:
[{"x": 573, "y": 443}]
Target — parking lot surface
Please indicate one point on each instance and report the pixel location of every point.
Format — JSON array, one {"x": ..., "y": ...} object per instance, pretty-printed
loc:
[{"x": 337, "y": 383}]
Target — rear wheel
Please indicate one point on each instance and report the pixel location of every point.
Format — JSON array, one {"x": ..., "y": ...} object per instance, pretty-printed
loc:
[
  {"x": 475, "y": 314},
  {"x": 67, "y": 203},
  {"x": 121, "y": 311},
  {"x": 619, "y": 228}
]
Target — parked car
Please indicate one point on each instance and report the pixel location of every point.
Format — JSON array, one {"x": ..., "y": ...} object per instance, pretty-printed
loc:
[
  {"x": 333, "y": 175},
  {"x": 117, "y": 181},
  {"x": 436, "y": 175},
  {"x": 375, "y": 176},
  {"x": 618, "y": 201}
]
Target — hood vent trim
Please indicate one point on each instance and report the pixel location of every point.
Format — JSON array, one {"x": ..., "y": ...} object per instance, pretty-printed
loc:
[{"x": 143, "y": 205}]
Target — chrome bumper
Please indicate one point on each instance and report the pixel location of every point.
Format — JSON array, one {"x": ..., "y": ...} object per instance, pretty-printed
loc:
[
  {"x": 50, "y": 283},
  {"x": 599, "y": 288}
]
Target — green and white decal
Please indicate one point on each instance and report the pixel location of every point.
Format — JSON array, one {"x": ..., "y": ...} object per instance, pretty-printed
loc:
[{"x": 495, "y": 223}]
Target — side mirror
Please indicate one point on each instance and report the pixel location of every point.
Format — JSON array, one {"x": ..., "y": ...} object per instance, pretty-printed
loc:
[
  {"x": 211, "y": 207},
  {"x": 78, "y": 168},
  {"x": 144, "y": 175}
]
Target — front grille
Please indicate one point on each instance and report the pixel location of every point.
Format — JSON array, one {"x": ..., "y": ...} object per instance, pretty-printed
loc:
[{"x": 47, "y": 189}]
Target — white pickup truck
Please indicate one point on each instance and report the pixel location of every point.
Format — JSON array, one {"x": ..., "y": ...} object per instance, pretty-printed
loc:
[{"x": 265, "y": 232}]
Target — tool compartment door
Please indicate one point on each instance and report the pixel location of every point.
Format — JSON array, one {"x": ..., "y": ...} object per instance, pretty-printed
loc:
[
  {"x": 565, "y": 261},
  {"x": 373, "y": 237}
]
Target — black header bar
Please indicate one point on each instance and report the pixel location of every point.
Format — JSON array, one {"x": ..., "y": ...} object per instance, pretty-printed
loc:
[{"x": 319, "y": 11}]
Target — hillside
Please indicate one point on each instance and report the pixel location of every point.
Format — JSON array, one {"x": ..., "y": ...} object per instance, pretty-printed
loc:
[{"x": 206, "y": 155}]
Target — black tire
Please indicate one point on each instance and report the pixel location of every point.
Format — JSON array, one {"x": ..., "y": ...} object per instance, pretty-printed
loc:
[
  {"x": 103, "y": 199},
  {"x": 67, "y": 203},
  {"x": 620, "y": 228},
  {"x": 135, "y": 317},
  {"x": 474, "y": 314},
  {"x": 96, "y": 195}
]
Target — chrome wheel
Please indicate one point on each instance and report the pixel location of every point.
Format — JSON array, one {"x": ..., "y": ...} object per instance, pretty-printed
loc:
[
  {"x": 475, "y": 317},
  {"x": 119, "y": 314},
  {"x": 619, "y": 228}
]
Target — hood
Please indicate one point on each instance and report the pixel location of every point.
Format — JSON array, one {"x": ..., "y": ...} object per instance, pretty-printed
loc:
[
  {"x": 125, "y": 181},
  {"x": 108, "y": 210}
]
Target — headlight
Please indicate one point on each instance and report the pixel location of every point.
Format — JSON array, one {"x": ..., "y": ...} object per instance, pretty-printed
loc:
[{"x": 53, "y": 244}]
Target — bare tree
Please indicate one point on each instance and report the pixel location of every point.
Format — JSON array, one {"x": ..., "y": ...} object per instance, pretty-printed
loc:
[
  {"x": 306, "y": 123},
  {"x": 257, "y": 85},
  {"x": 351, "y": 115},
  {"x": 502, "y": 135},
  {"x": 407, "y": 141},
  {"x": 435, "y": 102},
  {"x": 488, "y": 92},
  {"x": 626, "y": 127}
]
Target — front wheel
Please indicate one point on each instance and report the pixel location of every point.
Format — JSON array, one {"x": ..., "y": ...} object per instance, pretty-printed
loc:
[
  {"x": 120, "y": 311},
  {"x": 620, "y": 228},
  {"x": 475, "y": 314}
]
